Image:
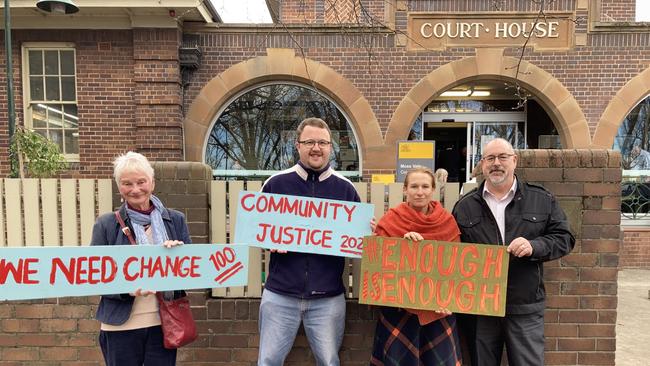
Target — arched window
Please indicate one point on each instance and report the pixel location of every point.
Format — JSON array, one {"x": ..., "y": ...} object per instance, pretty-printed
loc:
[
  {"x": 633, "y": 141},
  {"x": 254, "y": 135}
]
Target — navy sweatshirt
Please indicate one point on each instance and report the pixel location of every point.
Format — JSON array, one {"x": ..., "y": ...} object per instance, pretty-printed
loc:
[{"x": 304, "y": 275}]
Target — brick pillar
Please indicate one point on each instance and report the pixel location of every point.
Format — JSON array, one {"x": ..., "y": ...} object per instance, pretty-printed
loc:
[
  {"x": 185, "y": 186},
  {"x": 581, "y": 287},
  {"x": 156, "y": 74}
]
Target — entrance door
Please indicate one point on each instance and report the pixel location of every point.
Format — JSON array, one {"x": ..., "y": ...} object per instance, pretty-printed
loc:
[
  {"x": 485, "y": 132},
  {"x": 451, "y": 142},
  {"x": 459, "y": 144}
]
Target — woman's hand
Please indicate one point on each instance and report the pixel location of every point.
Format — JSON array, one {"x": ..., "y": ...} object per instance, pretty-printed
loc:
[
  {"x": 373, "y": 224},
  {"x": 141, "y": 292},
  {"x": 281, "y": 251},
  {"x": 172, "y": 243},
  {"x": 412, "y": 235}
]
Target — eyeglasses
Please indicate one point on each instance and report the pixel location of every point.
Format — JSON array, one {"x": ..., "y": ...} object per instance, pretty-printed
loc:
[
  {"x": 311, "y": 143},
  {"x": 502, "y": 157}
]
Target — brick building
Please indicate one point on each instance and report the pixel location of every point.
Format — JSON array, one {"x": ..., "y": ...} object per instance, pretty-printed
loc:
[
  {"x": 175, "y": 83},
  {"x": 168, "y": 80}
]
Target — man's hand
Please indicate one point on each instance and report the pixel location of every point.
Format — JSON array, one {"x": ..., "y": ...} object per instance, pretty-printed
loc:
[
  {"x": 520, "y": 247},
  {"x": 281, "y": 251},
  {"x": 373, "y": 224}
]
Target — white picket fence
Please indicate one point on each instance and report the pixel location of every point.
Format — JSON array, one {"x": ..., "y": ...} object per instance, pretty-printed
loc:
[
  {"x": 223, "y": 201},
  {"x": 57, "y": 212},
  {"x": 51, "y": 212}
]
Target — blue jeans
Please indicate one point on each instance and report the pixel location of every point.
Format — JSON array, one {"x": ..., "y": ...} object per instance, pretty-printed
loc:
[
  {"x": 280, "y": 317},
  {"x": 136, "y": 347}
]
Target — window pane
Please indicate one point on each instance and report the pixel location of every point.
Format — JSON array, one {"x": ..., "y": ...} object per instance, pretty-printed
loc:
[
  {"x": 52, "y": 62},
  {"x": 36, "y": 88},
  {"x": 70, "y": 118},
  {"x": 39, "y": 116},
  {"x": 36, "y": 62},
  {"x": 67, "y": 88},
  {"x": 71, "y": 142},
  {"x": 55, "y": 116},
  {"x": 42, "y": 132},
  {"x": 52, "y": 88},
  {"x": 57, "y": 137},
  {"x": 257, "y": 130},
  {"x": 67, "y": 63},
  {"x": 633, "y": 139}
]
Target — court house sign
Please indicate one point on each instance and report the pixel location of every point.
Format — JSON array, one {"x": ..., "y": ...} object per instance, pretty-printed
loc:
[{"x": 437, "y": 31}]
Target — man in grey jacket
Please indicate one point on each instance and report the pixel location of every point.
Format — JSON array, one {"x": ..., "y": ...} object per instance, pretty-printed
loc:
[{"x": 528, "y": 220}]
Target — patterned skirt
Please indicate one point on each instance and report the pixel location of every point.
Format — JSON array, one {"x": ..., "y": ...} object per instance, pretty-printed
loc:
[{"x": 400, "y": 340}]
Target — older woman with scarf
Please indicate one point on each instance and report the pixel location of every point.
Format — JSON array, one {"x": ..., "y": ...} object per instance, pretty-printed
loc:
[
  {"x": 130, "y": 332},
  {"x": 407, "y": 336}
]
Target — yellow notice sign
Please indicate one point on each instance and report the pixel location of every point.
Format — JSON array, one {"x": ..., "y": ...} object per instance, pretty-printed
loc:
[
  {"x": 415, "y": 150},
  {"x": 383, "y": 178}
]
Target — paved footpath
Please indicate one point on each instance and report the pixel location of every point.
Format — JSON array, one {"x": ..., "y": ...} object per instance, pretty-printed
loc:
[{"x": 633, "y": 323}]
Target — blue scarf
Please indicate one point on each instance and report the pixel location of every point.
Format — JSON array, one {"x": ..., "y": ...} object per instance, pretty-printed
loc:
[{"x": 140, "y": 220}]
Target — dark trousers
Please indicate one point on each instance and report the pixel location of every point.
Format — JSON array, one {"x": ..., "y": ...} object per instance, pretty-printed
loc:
[
  {"x": 137, "y": 347},
  {"x": 522, "y": 334}
]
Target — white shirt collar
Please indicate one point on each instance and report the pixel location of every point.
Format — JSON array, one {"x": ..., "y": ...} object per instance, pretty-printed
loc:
[{"x": 511, "y": 191}]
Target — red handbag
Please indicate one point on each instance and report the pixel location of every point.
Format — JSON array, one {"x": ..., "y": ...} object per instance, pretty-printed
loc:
[
  {"x": 176, "y": 318},
  {"x": 178, "y": 325}
]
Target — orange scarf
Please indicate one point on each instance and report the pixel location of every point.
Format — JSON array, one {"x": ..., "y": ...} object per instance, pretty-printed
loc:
[{"x": 438, "y": 224}]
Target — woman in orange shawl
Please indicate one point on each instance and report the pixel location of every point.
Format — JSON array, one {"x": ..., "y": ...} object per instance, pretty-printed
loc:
[{"x": 415, "y": 337}]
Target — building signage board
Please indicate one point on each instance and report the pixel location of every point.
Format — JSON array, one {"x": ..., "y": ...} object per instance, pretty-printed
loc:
[
  {"x": 302, "y": 224},
  {"x": 441, "y": 30},
  {"x": 414, "y": 154},
  {"x": 44, "y": 272},
  {"x": 432, "y": 275}
]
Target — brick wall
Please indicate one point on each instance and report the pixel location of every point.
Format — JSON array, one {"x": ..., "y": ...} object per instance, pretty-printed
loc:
[
  {"x": 581, "y": 287},
  {"x": 130, "y": 98},
  {"x": 128, "y": 92},
  {"x": 332, "y": 11},
  {"x": 618, "y": 11},
  {"x": 635, "y": 251}
]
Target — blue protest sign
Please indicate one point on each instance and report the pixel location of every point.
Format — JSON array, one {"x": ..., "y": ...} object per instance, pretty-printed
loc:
[
  {"x": 42, "y": 272},
  {"x": 302, "y": 224}
]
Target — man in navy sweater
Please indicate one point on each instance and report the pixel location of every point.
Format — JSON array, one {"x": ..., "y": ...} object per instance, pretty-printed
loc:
[{"x": 304, "y": 287}]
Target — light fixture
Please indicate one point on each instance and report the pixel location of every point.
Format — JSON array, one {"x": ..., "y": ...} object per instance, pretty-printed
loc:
[
  {"x": 466, "y": 93},
  {"x": 58, "y": 6},
  {"x": 456, "y": 93}
]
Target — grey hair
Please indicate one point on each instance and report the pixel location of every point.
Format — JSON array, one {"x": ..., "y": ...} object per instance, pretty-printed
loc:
[
  {"x": 131, "y": 162},
  {"x": 503, "y": 141}
]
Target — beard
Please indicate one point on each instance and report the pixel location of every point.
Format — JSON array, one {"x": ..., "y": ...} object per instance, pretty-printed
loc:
[{"x": 497, "y": 180}]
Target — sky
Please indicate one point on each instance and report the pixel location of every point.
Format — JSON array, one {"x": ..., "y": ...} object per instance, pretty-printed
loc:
[
  {"x": 255, "y": 11},
  {"x": 243, "y": 11},
  {"x": 643, "y": 10}
]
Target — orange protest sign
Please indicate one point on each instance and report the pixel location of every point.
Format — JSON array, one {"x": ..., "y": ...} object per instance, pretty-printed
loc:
[{"x": 429, "y": 275}]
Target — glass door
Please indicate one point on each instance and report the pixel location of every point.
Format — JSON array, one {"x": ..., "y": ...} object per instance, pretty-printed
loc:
[{"x": 484, "y": 132}]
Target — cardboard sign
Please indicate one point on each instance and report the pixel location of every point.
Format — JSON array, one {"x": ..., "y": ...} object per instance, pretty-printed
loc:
[
  {"x": 302, "y": 224},
  {"x": 42, "y": 272},
  {"x": 430, "y": 275}
]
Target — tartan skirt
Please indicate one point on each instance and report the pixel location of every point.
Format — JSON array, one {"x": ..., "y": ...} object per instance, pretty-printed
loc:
[{"x": 400, "y": 340}]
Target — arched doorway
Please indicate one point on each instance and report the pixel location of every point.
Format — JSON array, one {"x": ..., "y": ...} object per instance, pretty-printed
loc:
[
  {"x": 489, "y": 65},
  {"x": 461, "y": 120}
]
